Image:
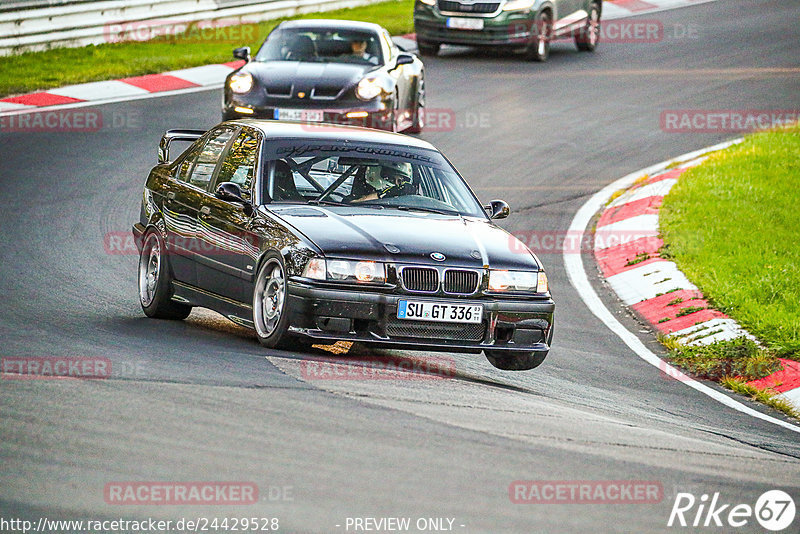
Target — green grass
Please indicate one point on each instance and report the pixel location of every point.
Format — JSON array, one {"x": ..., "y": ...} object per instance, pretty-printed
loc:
[
  {"x": 738, "y": 357},
  {"x": 764, "y": 396},
  {"x": 733, "y": 226},
  {"x": 36, "y": 71}
]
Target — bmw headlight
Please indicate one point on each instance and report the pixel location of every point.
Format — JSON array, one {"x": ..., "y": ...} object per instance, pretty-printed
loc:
[
  {"x": 346, "y": 271},
  {"x": 518, "y": 5},
  {"x": 518, "y": 281},
  {"x": 241, "y": 82},
  {"x": 369, "y": 88}
]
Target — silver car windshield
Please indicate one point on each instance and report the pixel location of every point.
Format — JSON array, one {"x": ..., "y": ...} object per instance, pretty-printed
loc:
[{"x": 322, "y": 45}]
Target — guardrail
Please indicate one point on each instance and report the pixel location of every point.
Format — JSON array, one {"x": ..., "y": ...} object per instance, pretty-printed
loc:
[{"x": 71, "y": 23}]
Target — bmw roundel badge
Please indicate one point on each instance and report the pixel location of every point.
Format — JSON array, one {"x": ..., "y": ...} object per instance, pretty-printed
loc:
[{"x": 438, "y": 256}]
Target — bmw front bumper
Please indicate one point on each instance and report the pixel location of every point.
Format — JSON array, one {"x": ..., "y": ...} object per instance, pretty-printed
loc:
[{"x": 338, "y": 314}]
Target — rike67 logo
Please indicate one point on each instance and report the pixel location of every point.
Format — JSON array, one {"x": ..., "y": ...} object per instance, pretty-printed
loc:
[{"x": 774, "y": 510}]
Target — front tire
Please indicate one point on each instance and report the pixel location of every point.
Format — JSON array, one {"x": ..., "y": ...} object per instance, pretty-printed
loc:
[
  {"x": 586, "y": 39},
  {"x": 427, "y": 49},
  {"x": 538, "y": 48},
  {"x": 155, "y": 281},
  {"x": 270, "y": 303},
  {"x": 515, "y": 361},
  {"x": 418, "y": 123}
]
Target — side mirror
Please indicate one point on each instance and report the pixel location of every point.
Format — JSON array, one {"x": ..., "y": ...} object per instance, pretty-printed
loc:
[
  {"x": 231, "y": 192},
  {"x": 403, "y": 59},
  {"x": 497, "y": 209},
  {"x": 242, "y": 53}
]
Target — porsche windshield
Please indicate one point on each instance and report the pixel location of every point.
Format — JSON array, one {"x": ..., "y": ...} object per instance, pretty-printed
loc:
[
  {"x": 322, "y": 45},
  {"x": 380, "y": 176}
]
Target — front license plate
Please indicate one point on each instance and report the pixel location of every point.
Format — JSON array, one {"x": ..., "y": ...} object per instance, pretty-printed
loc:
[
  {"x": 439, "y": 312},
  {"x": 308, "y": 115},
  {"x": 458, "y": 23}
]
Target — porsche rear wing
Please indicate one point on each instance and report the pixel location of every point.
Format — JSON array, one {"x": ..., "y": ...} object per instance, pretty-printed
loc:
[{"x": 172, "y": 135}]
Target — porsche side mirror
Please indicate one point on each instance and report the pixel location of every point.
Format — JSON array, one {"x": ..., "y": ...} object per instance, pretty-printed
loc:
[
  {"x": 497, "y": 209},
  {"x": 231, "y": 192},
  {"x": 403, "y": 59},
  {"x": 242, "y": 53}
]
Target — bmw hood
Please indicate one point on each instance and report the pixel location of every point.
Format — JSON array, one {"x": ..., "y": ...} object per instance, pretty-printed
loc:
[{"x": 407, "y": 237}]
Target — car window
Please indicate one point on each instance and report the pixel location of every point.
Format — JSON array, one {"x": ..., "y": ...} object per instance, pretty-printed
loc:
[
  {"x": 187, "y": 162},
  {"x": 239, "y": 165},
  {"x": 207, "y": 161}
]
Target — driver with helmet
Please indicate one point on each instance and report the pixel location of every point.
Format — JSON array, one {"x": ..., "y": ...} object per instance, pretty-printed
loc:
[{"x": 386, "y": 180}]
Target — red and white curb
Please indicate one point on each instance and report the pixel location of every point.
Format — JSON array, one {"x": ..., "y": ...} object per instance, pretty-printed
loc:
[
  {"x": 204, "y": 77},
  {"x": 579, "y": 278},
  {"x": 627, "y": 246}
]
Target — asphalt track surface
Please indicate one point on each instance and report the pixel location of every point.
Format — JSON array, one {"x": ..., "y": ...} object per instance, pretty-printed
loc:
[{"x": 200, "y": 400}]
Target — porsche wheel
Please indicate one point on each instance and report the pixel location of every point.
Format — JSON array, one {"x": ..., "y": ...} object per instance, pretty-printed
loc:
[
  {"x": 155, "y": 281},
  {"x": 418, "y": 121}
]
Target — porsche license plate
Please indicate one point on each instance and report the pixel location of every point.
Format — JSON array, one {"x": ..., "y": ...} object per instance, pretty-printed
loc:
[
  {"x": 439, "y": 312},
  {"x": 308, "y": 115},
  {"x": 459, "y": 23}
]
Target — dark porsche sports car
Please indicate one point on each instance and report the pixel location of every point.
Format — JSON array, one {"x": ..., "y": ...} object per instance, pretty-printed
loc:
[
  {"x": 340, "y": 233},
  {"x": 334, "y": 71}
]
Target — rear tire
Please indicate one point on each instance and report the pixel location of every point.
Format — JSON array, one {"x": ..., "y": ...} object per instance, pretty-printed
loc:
[
  {"x": 427, "y": 49},
  {"x": 515, "y": 361},
  {"x": 155, "y": 281},
  {"x": 538, "y": 48},
  {"x": 587, "y": 38}
]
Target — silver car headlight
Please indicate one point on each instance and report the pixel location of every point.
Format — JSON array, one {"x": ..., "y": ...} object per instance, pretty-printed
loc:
[
  {"x": 518, "y": 281},
  {"x": 346, "y": 271},
  {"x": 368, "y": 88},
  {"x": 241, "y": 82}
]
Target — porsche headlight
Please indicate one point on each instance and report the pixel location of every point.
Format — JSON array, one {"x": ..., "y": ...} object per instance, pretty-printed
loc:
[
  {"x": 428, "y": 2},
  {"x": 241, "y": 82},
  {"x": 368, "y": 88},
  {"x": 346, "y": 271},
  {"x": 518, "y": 5},
  {"x": 522, "y": 281}
]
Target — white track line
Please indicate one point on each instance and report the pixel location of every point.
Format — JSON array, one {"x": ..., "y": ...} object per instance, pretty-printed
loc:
[{"x": 577, "y": 276}]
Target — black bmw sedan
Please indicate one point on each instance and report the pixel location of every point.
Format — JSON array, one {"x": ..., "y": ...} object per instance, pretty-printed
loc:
[
  {"x": 337, "y": 233},
  {"x": 334, "y": 71}
]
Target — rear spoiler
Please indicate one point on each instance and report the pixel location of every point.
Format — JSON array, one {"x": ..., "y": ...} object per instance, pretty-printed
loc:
[{"x": 170, "y": 136}]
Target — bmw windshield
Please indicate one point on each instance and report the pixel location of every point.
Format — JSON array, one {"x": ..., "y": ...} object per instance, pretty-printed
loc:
[{"x": 369, "y": 175}]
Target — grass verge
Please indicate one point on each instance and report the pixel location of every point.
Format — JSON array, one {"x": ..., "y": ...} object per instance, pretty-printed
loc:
[
  {"x": 731, "y": 224},
  {"x": 35, "y": 71},
  {"x": 764, "y": 396}
]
